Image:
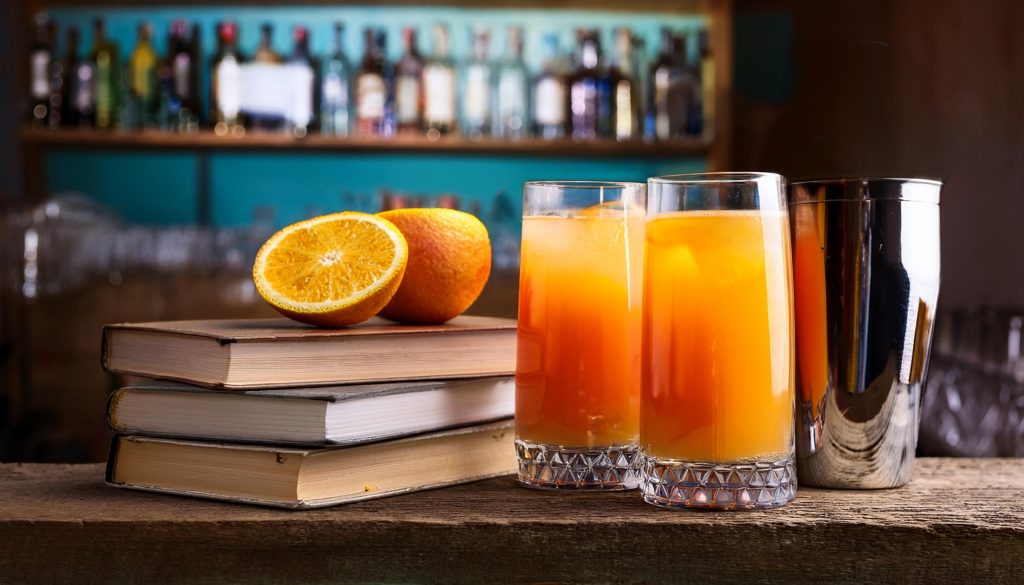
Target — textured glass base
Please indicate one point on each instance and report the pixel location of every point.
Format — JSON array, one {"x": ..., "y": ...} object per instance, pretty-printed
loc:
[
  {"x": 730, "y": 486},
  {"x": 569, "y": 468}
]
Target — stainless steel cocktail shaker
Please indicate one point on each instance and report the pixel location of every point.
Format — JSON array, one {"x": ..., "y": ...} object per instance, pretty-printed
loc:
[{"x": 866, "y": 276}]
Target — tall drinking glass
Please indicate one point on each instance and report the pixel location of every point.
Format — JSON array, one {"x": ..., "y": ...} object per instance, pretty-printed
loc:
[
  {"x": 716, "y": 414},
  {"x": 578, "y": 362}
]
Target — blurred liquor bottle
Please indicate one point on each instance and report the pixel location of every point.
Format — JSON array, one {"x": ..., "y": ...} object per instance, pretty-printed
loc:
[
  {"x": 40, "y": 57},
  {"x": 127, "y": 116},
  {"x": 302, "y": 71},
  {"x": 265, "y": 57},
  {"x": 513, "y": 88},
  {"x": 477, "y": 84},
  {"x": 195, "y": 52},
  {"x": 389, "y": 200},
  {"x": 60, "y": 77},
  {"x": 588, "y": 90},
  {"x": 142, "y": 65},
  {"x": 265, "y": 49},
  {"x": 672, "y": 88},
  {"x": 549, "y": 93},
  {"x": 104, "y": 57},
  {"x": 409, "y": 86},
  {"x": 707, "y": 84},
  {"x": 335, "y": 89},
  {"x": 371, "y": 86},
  {"x": 226, "y": 83},
  {"x": 184, "y": 77},
  {"x": 81, "y": 99},
  {"x": 439, "y": 88},
  {"x": 502, "y": 225},
  {"x": 625, "y": 87},
  {"x": 446, "y": 201}
]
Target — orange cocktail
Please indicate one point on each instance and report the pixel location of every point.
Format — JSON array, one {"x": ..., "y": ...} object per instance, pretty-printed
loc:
[
  {"x": 718, "y": 348},
  {"x": 578, "y": 362},
  {"x": 719, "y": 386}
]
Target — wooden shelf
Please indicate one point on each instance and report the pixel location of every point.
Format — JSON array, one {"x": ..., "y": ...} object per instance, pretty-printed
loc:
[
  {"x": 207, "y": 140},
  {"x": 959, "y": 520},
  {"x": 659, "y": 6}
]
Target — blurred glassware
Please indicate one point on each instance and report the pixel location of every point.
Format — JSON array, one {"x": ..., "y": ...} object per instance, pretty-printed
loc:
[
  {"x": 505, "y": 242},
  {"x": 70, "y": 240},
  {"x": 973, "y": 404}
]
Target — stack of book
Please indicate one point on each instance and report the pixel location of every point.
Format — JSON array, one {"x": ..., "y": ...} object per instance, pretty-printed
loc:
[{"x": 276, "y": 413}]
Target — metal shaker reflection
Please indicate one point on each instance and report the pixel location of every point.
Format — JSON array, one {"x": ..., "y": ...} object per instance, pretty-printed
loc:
[{"x": 866, "y": 276}]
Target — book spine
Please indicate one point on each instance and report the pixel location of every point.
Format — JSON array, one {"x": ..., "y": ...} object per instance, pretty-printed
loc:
[
  {"x": 112, "y": 403},
  {"x": 104, "y": 346},
  {"x": 115, "y": 445}
]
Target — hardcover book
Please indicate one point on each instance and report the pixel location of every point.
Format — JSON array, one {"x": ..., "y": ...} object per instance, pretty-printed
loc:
[
  {"x": 315, "y": 477},
  {"x": 341, "y": 415},
  {"x": 280, "y": 353}
]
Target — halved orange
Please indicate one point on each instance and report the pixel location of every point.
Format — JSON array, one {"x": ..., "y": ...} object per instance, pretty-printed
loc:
[{"x": 333, "y": 270}]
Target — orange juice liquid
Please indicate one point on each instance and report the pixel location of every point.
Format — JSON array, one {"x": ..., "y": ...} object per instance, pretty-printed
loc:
[
  {"x": 718, "y": 337},
  {"x": 809, "y": 281},
  {"x": 578, "y": 361}
]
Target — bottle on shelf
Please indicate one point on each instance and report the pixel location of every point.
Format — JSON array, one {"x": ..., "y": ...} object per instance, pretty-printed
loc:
[
  {"x": 476, "y": 93},
  {"x": 60, "y": 77},
  {"x": 302, "y": 73},
  {"x": 167, "y": 104},
  {"x": 226, "y": 83},
  {"x": 183, "y": 71},
  {"x": 707, "y": 84},
  {"x": 335, "y": 88},
  {"x": 409, "y": 86},
  {"x": 589, "y": 91},
  {"x": 142, "y": 66},
  {"x": 104, "y": 57},
  {"x": 40, "y": 57},
  {"x": 549, "y": 93},
  {"x": 625, "y": 87},
  {"x": 265, "y": 49},
  {"x": 672, "y": 88},
  {"x": 195, "y": 50},
  {"x": 262, "y": 79},
  {"x": 127, "y": 116},
  {"x": 80, "y": 97},
  {"x": 513, "y": 89},
  {"x": 439, "y": 116},
  {"x": 371, "y": 86}
]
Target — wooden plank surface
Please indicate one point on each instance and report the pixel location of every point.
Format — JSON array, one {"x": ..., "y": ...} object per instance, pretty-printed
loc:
[
  {"x": 958, "y": 521},
  {"x": 207, "y": 140}
]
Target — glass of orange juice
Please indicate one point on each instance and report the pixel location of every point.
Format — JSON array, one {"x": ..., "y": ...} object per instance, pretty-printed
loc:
[
  {"x": 578, "y": 358},
  {"x": 717, "y": 400}
]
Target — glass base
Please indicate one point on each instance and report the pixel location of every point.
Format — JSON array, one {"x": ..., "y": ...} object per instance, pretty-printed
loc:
[
  {"x": 671, "y": 483},
  {"x": 573, "y": 468}
]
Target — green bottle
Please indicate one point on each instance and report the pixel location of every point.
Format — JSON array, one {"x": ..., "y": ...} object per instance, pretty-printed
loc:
[
  {"x": 105, "y": 59},
  {"x": 141, "y": 79}
]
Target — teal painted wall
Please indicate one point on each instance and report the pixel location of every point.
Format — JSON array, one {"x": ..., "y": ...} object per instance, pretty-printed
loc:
[{"x": 160, "y": 188}]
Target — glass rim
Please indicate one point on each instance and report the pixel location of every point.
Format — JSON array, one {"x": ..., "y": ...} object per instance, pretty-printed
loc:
[
  {"x": 584, "y": 184},
  {"x": 867, "y": 189},
  {"x": 707, "y": 178},
  {"x": 869, "y": 180}
]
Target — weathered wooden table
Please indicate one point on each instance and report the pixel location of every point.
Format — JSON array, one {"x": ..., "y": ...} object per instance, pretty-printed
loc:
[{"x": 958, "y": 521}]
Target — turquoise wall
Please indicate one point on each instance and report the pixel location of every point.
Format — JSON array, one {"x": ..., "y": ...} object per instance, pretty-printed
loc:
[{"x": 160, "y": 187}]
